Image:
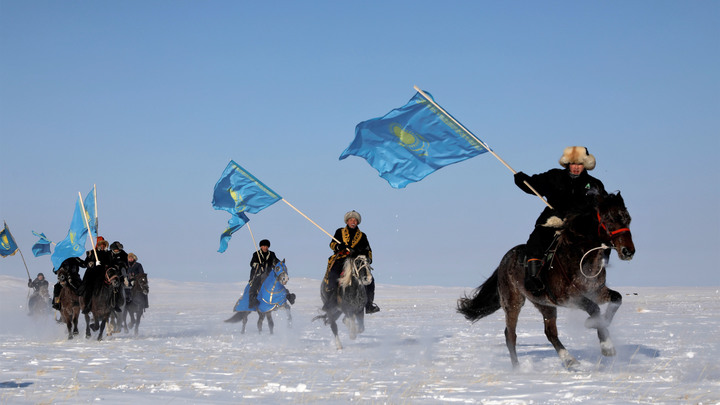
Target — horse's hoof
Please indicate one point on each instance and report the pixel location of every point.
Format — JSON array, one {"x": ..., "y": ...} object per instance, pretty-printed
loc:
[{"x": 70, "y": 337}]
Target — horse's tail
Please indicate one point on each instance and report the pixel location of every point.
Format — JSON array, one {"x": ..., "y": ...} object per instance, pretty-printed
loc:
[
  {"x": 237, "y": 317},
  {"x": 484, "y": 300}
]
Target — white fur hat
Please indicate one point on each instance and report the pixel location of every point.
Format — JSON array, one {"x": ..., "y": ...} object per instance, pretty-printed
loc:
[
  {"x": 577, "y": 155},
  {"x": 353, "y": 214}
]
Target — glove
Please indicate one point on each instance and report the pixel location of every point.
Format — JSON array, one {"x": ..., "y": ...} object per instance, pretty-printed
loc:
[
  {"x": 340, "y": 247},
  {"x": 352, "y": 251},
  {"x": 520, "y": 177}
]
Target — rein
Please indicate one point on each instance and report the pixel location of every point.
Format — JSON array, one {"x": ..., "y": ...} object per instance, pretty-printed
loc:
[
  {"x": 602, "y": 246},
  {"x": 109, "y": 280}
]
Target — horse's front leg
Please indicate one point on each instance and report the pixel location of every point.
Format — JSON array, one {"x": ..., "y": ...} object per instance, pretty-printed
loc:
[
  {"x": 289, "y": 314},
  {"x": 87, "y": 326},
  {"x": 550, "y": 320},
  {"x": 102, "y": 329},
  {"x": 599, "y": 322}
]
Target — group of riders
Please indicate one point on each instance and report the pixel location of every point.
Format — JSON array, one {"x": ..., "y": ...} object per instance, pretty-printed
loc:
[
  {"x": 566, "y": 190},
  {"x": 97, "y": 263}
]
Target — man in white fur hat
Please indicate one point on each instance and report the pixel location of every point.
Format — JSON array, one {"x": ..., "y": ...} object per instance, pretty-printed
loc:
[
  {"x": 353, "y": 243},
  {"x": 566, "y": 190}
]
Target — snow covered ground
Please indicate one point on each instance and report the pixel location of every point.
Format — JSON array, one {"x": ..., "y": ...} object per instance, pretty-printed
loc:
[{"x": 416, "y": 350}]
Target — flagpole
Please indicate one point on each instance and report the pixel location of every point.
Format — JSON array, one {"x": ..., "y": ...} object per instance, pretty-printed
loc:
[
  {"x": 92, "y": 242},
  {"x": 18, "y": 249},
  {"x": 422, "y": 93},
  {"x": 254, "y": 244},
  {"x": 313, "y": 222}
]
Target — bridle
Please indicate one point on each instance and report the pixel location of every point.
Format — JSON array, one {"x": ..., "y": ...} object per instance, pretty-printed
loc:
[{"x": 611, "y": 234}]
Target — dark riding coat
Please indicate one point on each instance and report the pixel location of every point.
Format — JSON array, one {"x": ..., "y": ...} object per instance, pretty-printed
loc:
[
  {"x": 566, "y": 194},
  {"x": 354, "y": 239},
  {"x": 563, "y": 192},
  {"x": 264, "y": 262}
]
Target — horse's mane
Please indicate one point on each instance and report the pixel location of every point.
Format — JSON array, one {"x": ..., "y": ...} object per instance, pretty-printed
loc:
[
  {"x": 346, "y": 275},
  {"x": 582, "y": 225}
]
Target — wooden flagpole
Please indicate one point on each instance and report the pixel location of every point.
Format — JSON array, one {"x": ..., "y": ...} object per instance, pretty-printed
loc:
[
  {"x": 87, "y": 224},
  {"x": 257, "y": 250},
  {"x": 484, "y": 145},
  {"x": 313, "y": 222}
]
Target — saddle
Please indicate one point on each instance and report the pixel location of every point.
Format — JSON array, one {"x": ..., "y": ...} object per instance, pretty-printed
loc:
[{"x": 547, "y": 256}]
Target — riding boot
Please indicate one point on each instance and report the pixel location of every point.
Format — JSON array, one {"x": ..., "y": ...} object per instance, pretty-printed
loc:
[
  {"x": 532, "y": 277},
  {"x": 371, "y": 308}
]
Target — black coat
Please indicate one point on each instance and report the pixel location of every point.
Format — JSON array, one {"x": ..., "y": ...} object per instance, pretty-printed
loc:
[
  {"x": 565, "y": 193},
  {"x": 354, "y": 239},
  {"x": 264, "y": 262}
]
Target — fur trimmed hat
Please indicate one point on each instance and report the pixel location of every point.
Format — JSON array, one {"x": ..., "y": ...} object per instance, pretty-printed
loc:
[
  {"x": 353, "y": 214},
  {"x": 577, "y": 155},
  {"x": 265, "y": 242}
]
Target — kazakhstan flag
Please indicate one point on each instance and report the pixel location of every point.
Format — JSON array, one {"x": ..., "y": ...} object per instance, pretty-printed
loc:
[
  {"x": 74, "y": 243},
  {"x": 239, "y": 192},
  {"x": 8, "y": 247},
  {"x": 90, "y": 204},
  {"x": 42, "y": 246},
  {"x": 412, "y": 141}
]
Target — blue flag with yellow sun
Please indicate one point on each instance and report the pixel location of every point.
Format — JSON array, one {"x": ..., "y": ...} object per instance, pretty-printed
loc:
[
  {"x": 8, "y": 247},
  {"x": 410, "y": 142},
  {"x": 239, "y": 192},
  {"x": 74, "y": 243}
]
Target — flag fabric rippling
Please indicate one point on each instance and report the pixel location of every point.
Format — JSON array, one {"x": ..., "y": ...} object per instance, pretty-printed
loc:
[{"x": 409, "y": 143}]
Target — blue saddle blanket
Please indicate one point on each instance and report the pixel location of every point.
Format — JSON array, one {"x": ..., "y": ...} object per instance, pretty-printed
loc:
[{"x": 271, "y": 296}]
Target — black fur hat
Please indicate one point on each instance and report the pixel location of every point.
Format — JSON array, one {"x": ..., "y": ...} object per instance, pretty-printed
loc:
[{"x": 265, "y": 242}]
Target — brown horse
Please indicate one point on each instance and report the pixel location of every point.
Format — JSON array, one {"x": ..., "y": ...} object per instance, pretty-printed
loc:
[
  {"x": 70, "y": 303},
  {"x": 575, "y": 278},
  {"x": 101, "y": 303}
]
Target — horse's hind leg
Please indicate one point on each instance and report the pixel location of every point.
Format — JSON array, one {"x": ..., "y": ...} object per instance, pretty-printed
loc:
[
  {"x": 87, "y": 326},
  {"x": 137, "y": 322},
  {"x": 550, "y": 320},
  {"x": 597, "y": 321},
  {"x": 271, "y": 323},
  {"x": 261, "y": 317}
]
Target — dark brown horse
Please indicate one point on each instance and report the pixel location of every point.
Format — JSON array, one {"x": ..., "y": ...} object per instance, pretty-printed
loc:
[
  {"x": 575, "y": 278},
  {"x": 102, "y": 303},
  {"x": 70, "y": 303},
  {"x": 138, "y": 301}
]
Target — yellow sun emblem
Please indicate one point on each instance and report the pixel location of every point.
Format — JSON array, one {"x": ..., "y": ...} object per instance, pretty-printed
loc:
[{"x": 412, "y": 142}]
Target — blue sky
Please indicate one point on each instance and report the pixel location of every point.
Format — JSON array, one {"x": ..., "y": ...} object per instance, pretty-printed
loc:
[{"x": 150, "y": 100}]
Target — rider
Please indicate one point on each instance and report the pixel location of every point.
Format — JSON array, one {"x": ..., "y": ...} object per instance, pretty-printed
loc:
[
  {"x": 95, "y": 273},
  {"x": 134, "y": 269},
  {"x": 261, "y": 262},
  {"x": 120, "y": 261},
  {"x": 567, "y": 190},
  {"x": 353, "y": 243},
  {"x": 39, "y": 285},
  {"x": 72, "y": 265}
]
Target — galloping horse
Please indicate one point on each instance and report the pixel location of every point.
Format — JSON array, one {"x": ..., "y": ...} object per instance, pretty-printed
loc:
[
  {"x": 138, "y": 302},
  {"x": 101, "y": 303},
  {"x": 38, "y": 303},
  {"x": 575, "y": 278},
  {"x": 70, "y": 303},
  {"x": 351, "y": 296},
  {"x": 272, "y": 295}
]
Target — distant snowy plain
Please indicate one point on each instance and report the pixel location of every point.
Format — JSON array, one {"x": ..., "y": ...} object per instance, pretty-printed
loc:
[{"x": 417, "y": 350}]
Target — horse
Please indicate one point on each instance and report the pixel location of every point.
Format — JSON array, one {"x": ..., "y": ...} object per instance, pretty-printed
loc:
[
  {"x": 39, "y": 302},
  {"x": 574, "y": 278},
  {"x": 351, "y": 298},
  {"x": 138, "y": 303},
  {"x": 70, "y": 303},
  {"x": 101, "y": 303},
  {"x": 272, "y": 295}
]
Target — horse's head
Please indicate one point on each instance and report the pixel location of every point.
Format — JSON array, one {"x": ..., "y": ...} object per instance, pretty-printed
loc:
[
  {"x": 363, "y": 269},
  {"x": 614, "y": 225},
  {"x": 141, "y": 282},
  {"x": 62, "y": 276},
  {"x": 281, "y": 273},
  {"x": 112, "y": 276}
]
